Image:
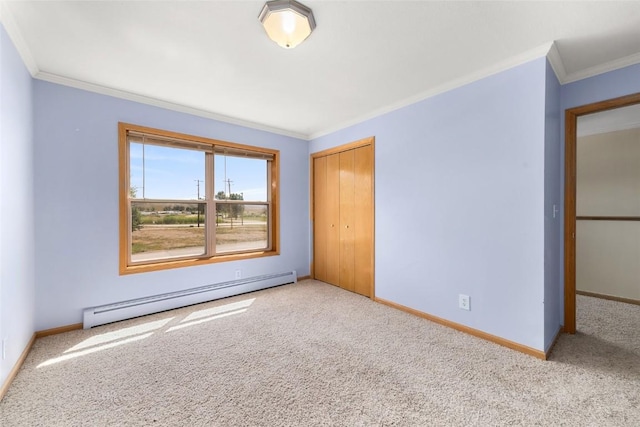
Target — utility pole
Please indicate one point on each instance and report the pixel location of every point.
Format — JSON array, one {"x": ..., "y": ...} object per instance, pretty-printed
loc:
[
  {"x": 228, "y": 182},
  {"x": 229, "y": 186},
  {"x": 198, "y": 181}
]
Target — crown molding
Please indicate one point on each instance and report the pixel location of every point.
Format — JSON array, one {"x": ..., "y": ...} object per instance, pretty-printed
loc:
[
  {"x": 555, "y": 59},
  {"x": 514, "y": 61},
  {"x": 10, "y": 25},
  {"x": 130, "y": 96},
  {"x": 616, "y": 64}
]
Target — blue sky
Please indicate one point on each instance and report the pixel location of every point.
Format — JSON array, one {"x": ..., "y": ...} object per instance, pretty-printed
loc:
[{"x": 172, "y": 173}]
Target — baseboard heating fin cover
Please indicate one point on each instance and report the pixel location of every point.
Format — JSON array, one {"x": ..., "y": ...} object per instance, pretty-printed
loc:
[{"x": 108, "y": 313}]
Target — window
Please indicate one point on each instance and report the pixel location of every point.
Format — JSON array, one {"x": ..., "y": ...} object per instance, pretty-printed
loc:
[{"x": 187, "y": 200}]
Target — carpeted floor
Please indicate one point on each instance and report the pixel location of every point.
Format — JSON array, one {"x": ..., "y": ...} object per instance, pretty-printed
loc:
[{"x": 310, "y": 354}]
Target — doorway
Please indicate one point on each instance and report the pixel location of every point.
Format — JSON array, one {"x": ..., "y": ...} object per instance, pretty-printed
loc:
[{"x": 571, "y": 125}]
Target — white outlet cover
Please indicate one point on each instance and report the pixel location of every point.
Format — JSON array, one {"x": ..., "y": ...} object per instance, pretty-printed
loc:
[{"x": 464, "y": 302}]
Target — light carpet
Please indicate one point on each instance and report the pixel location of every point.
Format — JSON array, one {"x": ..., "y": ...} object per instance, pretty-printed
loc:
[{"x": 311, "y": 354}]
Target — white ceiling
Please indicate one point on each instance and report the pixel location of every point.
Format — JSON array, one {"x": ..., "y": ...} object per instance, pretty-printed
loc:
[{"x": 214, "y": 59}]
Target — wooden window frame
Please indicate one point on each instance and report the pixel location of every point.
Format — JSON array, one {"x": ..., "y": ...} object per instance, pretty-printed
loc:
[{"x": 213, "y": 146}]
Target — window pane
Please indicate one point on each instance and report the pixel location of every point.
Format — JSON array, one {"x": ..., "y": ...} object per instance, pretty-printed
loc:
[
  {"x": 240, "y": 178},
  {"x": 158, "y": 172},
  {"x": 241, "y": 227},
  {"x": 160, "y": 230}
]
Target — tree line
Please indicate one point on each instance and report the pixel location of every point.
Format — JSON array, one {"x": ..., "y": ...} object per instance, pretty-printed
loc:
[{"x": 226, "y": 210}]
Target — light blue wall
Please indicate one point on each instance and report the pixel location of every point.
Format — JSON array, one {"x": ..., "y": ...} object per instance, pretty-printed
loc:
[
  {"x": 17, "y": 282},
  {"x": 613, "y": 84},
  {"x": 553, "y": 250},
  {"x": 459, "y": 187},
  {"x": 76, "y": 182}
]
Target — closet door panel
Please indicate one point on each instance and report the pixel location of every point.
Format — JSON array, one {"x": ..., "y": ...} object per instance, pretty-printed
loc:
[
  {"x": 363, "y": 218},
  {"x": 333, "y": 219},
  {"x": 320, "y": 225},
  {"x": 347, "y": 220}
]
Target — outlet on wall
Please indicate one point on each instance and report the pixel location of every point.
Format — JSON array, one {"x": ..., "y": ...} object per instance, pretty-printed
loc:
[
  {"x": 464, "y": 302},
  {"x": 238, "y": 274}
]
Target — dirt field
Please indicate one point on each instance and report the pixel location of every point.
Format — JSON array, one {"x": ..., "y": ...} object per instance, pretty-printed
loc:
[{"x": 150, "y": 239}]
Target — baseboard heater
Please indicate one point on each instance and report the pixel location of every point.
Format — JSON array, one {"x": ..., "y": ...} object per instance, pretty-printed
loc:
[{"x": 108, "y": 313}]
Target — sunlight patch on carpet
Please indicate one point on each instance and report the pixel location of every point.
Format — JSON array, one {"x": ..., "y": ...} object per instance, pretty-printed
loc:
[
  {"x": 218, "y": 310},
  {"x": 206, "y": 315},
  {"x": 92, "y": 350},
  {"x": 120, "y": 334},
  {"x": 206, "y": 319}
]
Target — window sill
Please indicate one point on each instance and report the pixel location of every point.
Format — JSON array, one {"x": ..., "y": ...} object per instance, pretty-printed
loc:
[{"x": 180, "y": 263}]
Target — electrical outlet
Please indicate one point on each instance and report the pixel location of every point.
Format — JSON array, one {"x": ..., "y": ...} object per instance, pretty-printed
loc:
[
  {"x": 238, "y": 274},
  {"x": 464, "y": 302}
]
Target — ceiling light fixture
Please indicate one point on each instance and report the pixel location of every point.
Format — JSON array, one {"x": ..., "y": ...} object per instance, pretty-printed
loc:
[{"x": 287, "y": 22}]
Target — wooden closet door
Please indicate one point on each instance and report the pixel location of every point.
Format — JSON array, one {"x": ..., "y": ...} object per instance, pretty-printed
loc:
[
  {"x": 343, "y": 207},
  {"x": 320, "y": 219},
  {"x": 333, "y": 219},
  {"x": 347, "y": 220},
  {"x": 363, "y": 219}
]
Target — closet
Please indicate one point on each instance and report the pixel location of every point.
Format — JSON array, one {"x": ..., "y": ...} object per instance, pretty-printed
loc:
[{"x": 343, "y": 212}]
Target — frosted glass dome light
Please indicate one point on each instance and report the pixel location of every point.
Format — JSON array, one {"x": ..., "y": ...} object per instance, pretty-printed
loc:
[{"x": 287, "y": 22}]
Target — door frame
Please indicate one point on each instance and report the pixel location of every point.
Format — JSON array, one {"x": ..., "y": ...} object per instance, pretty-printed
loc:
[
  {"x": 570, "y": 167},
  {"x": 335, "y": 150}
]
